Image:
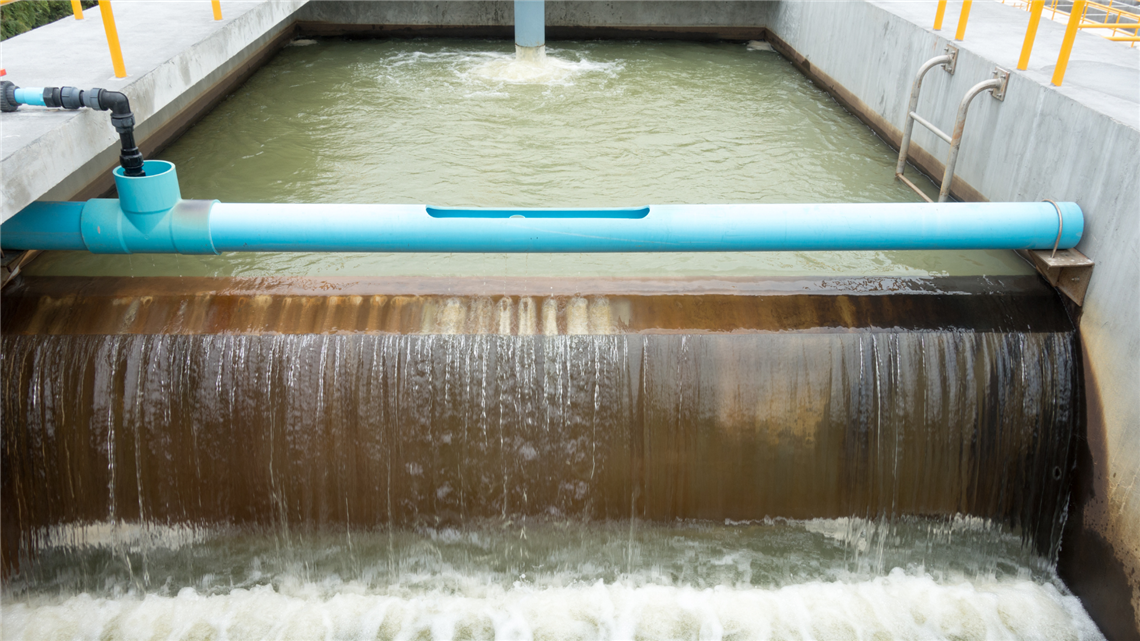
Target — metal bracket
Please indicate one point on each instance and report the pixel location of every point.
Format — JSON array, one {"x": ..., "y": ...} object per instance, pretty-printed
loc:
[
  {"x": 12, "y": 264},
  {"x": 951, "y": 51},
  {"x": 1068, "y": 270},
  {"x": 1002, "y": 75}
]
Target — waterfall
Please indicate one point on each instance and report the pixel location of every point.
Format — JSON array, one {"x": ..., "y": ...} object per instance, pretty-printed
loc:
[{"x": 317, "y": 431}]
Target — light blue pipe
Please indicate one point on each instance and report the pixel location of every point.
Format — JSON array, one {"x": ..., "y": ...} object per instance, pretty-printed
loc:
[
  {"x": 530, "y": 23},
  {"x": 150, "y": 216},
  {"x": 30, "y": 96},
  {"x": 674, "y": 228},
  {"x": 207, "y": 227}
]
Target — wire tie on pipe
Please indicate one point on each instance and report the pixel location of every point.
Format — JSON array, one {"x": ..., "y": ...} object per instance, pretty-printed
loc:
[{"x": 1060, "y": 225}]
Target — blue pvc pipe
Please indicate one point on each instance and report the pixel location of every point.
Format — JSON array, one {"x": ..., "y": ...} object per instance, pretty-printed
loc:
[
  {"x": 658, "y": 228},
  {"x": 530, "y": 23},
  {"x": 30, "y": 96}
]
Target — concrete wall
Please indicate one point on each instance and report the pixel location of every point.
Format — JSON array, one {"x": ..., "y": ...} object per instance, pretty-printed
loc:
[
  {"x": 1078, "y": 142},
  {"x": 559, "y": 13}
]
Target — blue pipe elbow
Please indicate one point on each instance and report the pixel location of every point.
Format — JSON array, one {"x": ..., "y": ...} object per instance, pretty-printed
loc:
[{"x": 530, "y": 23}]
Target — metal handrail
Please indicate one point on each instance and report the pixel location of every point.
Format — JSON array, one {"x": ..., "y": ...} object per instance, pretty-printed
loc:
[
  {"x": 995, "y": 85},
  {"x": 959, "y": 127},
  {"x": 946, "y": 61},
  {"x": 1116, "y": 13},
  {"x": 1076, "y": 21}
]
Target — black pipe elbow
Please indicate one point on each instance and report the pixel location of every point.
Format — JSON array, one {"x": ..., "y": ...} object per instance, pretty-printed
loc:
[
  {"x": 124, "y": 121},
  {"x": 114, "y": 101},
  {"x": 130, "y": 158}
]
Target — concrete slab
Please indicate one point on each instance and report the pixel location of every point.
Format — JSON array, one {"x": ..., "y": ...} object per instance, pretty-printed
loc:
[{"x": 168, "y": 49}]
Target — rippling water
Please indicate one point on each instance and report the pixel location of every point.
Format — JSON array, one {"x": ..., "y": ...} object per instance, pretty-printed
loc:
[
  {"x": 619, "y": 123},
  {"x": 453, "y": 122}
]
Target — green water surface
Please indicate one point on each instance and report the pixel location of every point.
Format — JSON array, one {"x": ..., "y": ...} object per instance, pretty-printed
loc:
[{"x": 447, "y": 122}]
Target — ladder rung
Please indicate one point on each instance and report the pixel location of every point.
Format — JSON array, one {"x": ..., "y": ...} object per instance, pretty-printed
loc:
[
  {"x": 914, "y": 187},
  {"x": 925, "y": 123}
]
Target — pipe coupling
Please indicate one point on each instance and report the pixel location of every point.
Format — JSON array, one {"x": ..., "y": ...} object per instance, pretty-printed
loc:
[{"x": 149, "y": 216}]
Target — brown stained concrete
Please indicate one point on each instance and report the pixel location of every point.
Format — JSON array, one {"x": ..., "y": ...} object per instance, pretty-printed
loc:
[
  {"x": 1090, "y": 564},
  {"x": 597, "y": 32},
  {"x": 320, "y": 430},
  {"x": 169, "y": 305}
]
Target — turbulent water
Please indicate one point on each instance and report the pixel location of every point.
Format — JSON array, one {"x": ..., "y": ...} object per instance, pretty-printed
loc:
[
  {"x": 301, "y": 463},
  {"x": 523, "y": 487},
  {"x": 817, "y": 579}
]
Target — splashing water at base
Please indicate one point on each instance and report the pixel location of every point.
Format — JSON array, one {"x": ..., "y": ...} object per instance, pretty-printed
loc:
[
  {"x": 897, "y": 606},
  {"x": 531, "y": 65},
  {"x": 821, "y": 579}
]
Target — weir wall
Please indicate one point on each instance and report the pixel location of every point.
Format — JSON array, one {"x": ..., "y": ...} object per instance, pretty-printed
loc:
[{"x": 1077, "y": 143}]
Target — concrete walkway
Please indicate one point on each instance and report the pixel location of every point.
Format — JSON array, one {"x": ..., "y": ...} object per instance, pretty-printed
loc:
[
  {"x": 171, "y": 50},
  {"x": 1102, "y": 75}
]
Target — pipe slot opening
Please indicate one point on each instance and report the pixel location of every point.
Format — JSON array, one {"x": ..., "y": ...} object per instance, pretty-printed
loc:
[{"x": 462, "y": 212}]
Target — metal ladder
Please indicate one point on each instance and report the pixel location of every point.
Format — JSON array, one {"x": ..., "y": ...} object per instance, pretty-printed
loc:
[{"x": 947, "y": 61}]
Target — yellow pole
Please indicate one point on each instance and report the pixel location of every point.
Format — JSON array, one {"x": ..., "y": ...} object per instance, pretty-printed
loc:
[
  {"x": 217, "y": 9},
  {"x": 112, "y": 38},
  {"x": 1077, "y": 11},
  {"x": 1035, "y": 8},
  {"x": 77, "y": 9},
  {"x": 962, "y": 19},
  {"x": 938, "y": 16}
]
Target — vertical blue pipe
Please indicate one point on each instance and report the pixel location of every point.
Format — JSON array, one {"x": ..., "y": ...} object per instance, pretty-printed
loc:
[{"x": 530, "y": 23}]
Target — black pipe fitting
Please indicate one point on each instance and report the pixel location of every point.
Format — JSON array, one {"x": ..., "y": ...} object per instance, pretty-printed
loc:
[
  {"x": 8, "y": 96},
  {"x": 123, "y": 120},
  {"x": 130, "y": 158}
]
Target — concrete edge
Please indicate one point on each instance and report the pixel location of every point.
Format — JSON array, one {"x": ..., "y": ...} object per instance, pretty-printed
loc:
[{"x": 506, "y": 32}]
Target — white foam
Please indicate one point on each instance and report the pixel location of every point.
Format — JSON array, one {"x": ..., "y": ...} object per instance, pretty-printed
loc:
[
  {"x": 896, "y": 606},
  {"x": 543, "y": 70}
]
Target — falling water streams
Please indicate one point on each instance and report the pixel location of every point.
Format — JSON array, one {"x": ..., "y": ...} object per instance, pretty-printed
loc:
[{"x": 785, "y": 446}]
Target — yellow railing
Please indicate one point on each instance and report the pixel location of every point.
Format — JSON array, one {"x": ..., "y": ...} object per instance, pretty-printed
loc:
[
  {"x": 1116, "y": 18},
  {"x": 113, "y": 33},
  {"x": 76, "y": 8},
  {"x": 112, "y": 38},
  {"x": 1121, "y": 19}
]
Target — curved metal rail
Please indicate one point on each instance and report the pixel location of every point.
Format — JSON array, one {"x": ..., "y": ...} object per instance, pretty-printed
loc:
[{"x": 995, "y": 85}]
